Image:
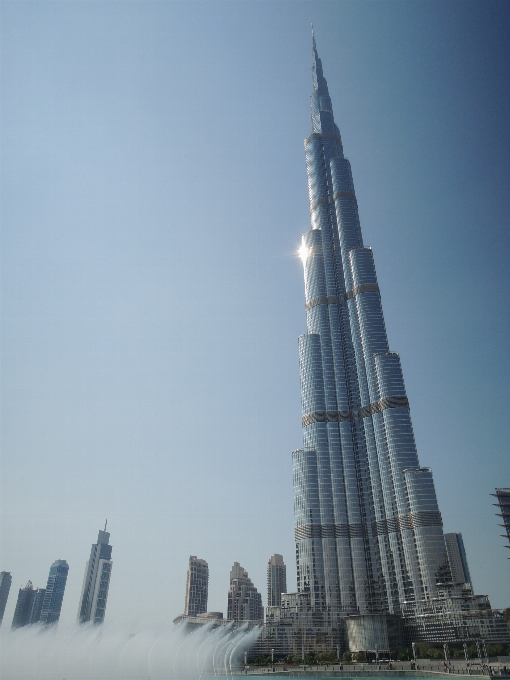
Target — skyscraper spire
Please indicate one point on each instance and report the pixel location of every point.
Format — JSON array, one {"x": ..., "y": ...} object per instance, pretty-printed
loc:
[
  {"x": 368, "y": 529},
  {"x": 319, "y": 82},
  {"x": 322, "y": 110}
]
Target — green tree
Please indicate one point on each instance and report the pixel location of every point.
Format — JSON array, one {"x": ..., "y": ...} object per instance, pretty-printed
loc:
[
  {"x": 326, "y": 657},
  {"x": 495, "y": 650}
]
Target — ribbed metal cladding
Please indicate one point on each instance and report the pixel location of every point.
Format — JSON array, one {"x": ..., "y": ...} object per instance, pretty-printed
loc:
[
  {"x": 389, "y": 526},
  {"x": 367, "y": 525}
]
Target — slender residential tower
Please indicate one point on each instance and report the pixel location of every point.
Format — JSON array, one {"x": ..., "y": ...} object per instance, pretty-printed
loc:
[
  {"x": 54, "y": 592},
  {"x": 28, "y": 606},
  {"x": 96, "y": 581},
  {"x": 5, "y": 587},
  {"x": 197, "y": 585},
  {"x": 368, "y": 530},
  {"x": 457, "y": 558},
  {"x": 276, "y": 580}
]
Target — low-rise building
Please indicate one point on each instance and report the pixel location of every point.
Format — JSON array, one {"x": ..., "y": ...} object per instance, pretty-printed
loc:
[{"x": 456, "y": 615}]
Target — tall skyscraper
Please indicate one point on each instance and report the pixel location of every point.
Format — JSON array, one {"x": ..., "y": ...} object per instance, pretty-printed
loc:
[
  {"x": 503, "y": 496},
  {"x": 368, "y": 529},
  {"x": 96, "y": 581},
  {"x": 28, "y": 606},
  {"x": 457, "y": 558},
  {"x": 197, "y": 583},
  {"x": 24, "y": 606},
  {"x": 31, "y": 603},
  {"x": 276, "y": 580},
  {"x": 34, "y": 615},
  {"x": 244, "y": 600},
  {"x": 54, "y": 594},
  {"x": 5, "y": 587}
]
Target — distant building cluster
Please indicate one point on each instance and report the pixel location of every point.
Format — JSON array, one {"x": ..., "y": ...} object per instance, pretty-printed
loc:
[
  {"x": 293, "y": 626},
  {"x": 43, "y": 605},
  {"x": 244, "y": 602}
]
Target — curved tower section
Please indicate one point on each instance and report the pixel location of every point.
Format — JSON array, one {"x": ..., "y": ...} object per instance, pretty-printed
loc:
[{"x": 368, "y": 529}]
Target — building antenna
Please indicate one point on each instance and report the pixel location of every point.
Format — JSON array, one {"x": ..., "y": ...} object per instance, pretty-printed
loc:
[{"x": 106, "y": 522}]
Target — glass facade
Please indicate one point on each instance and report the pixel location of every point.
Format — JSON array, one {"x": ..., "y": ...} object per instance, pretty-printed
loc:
[
  {"x": 54, "y": 593},
  {"x": 368, "y": 529},
  {"x": 96, "y": 582},
  {"x": 457, "y": 558},
  {"x": 5, "y": 587},
  {"x": 503, "y": 496}
]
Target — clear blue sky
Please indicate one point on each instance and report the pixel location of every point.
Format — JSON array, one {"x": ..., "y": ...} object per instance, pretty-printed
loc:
[{"x": 154, "y": 196}]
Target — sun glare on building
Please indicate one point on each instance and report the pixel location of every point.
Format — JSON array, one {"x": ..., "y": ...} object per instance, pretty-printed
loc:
[{"x": 303, "y": 252}]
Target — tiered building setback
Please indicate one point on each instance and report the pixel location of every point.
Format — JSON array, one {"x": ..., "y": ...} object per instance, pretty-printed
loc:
[
  {"x": 368, "y": 529},
  {"x": 244, "y": 600},
  {"x": 457, "y": 558}
]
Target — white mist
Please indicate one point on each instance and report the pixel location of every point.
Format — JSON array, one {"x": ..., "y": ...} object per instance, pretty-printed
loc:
[{"x": 112, "y": 653}]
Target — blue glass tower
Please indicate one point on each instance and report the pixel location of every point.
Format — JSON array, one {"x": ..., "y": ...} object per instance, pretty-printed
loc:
[
  {"x": 54, "y": 593},
  {"x": 368, "y": 530}
]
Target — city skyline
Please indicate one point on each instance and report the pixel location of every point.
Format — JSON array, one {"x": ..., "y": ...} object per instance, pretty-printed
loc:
[{"x": 154, "y": 198}]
